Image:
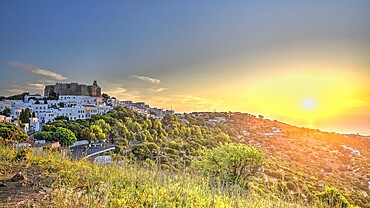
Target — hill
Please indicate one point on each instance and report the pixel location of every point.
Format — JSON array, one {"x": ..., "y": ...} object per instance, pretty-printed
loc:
[{"x": 301, "y": 166}]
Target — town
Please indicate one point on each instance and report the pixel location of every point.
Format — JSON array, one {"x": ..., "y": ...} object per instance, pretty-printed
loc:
[{"x": 69, "y": 100}]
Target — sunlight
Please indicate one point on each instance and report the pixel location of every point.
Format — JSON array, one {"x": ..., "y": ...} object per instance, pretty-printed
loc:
[{"x": 309, "y": 104}]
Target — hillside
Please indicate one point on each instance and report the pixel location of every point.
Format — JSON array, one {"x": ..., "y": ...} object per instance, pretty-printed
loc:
[
  {"x": 299, "y": 163},
  {"x": 310, "y": 159}
]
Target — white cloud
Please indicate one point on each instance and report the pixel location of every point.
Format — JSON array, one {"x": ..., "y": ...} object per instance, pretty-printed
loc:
[
  {"x": 147, "y": 79},
  {"x": 37, "y": 86},
  {"x": 122, "y": 93},
  {"x": 116, "y": 91},
  {"x": 160, "y": 89},
  {"x": 15, "y": 91},
  {"x": 37, "y": 70}
]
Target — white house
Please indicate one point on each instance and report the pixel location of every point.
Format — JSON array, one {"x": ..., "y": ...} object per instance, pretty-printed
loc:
[
  {"x": 77, "y": 100},
  {"x": 35, "y": 124},
  {"x": 27, "y": 98},
  {"x": 48, "y": 115},
  {"x": 39, "y": 108},
  {"x": 5, "y": 119},
  {"x": 5, "y": 104},
  {"x": 90, "y": 110},
  {"x": 73, "y": 113}
]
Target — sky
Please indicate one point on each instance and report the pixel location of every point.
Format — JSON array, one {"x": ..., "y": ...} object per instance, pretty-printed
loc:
[{"x": 306, "y": 63}]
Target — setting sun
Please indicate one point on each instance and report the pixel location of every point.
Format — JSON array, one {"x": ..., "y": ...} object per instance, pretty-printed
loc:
[{"x": 309, "y": 104}]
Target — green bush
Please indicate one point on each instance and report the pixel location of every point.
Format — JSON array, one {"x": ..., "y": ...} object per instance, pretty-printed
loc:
[
  {"x": 331, "y": 197},
  {"x": 291, "y": 186},
  {"x": 236, "y": 162}
]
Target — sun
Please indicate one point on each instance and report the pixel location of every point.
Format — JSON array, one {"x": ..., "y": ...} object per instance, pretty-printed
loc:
[{"x": 309, "y": 104}]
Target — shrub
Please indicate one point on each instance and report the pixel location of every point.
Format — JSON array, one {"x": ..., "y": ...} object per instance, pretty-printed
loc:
[
  {"x": 291, "y": 186},
  {"x": 331, "y": 197},
  {"x": 237, "y": 162}
]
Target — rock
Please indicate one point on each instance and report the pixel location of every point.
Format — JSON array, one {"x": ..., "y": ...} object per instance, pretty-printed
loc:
[
  {"x": 2, "y": 184},
  {"x": 18, "y": 177},
  {"x": 47, "y": 190}
]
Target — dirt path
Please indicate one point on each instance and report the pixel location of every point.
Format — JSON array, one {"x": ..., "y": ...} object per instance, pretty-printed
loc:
[{"x": 22, "y": 188}]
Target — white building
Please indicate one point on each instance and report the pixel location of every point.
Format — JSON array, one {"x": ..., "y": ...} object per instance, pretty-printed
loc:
[
  {"x": 27, "y": 98},
  {"x": 39, "y": 108},
  {"x": 48, "y": 115},
  {"x": 77, "y": 100},
  {"x": 90, "y": 110},
  {"x": 5, "y": 104},
  {"x": 5, "y": 119},
  {"x": 35, "y": 124},
  {"x": 73, "y": 113}
]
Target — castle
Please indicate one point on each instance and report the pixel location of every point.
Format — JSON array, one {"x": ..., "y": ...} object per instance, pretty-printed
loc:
[{"x": 73, "y": 89}]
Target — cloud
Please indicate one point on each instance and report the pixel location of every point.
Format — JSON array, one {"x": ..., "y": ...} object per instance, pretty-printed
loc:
[
  {"x": 159, "y": 89},
  {"x": 37, "y": 70},
  {"x": 117, "y": 90},
  {"x": 37, "y": 86},
  {"x": 122, "y": 94},
  {"x": 147, "y": 79},
  {"x": 15, "y": 91}
]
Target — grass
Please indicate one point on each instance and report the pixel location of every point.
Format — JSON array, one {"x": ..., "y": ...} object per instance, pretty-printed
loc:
[{"x": 131, "y": 184}]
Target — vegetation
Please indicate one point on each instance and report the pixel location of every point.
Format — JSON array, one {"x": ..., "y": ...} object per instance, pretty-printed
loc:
[
  {"x": 231, "y": 161},
  {"x": 235, "y": 162},
  {"x": 25, "y": 115},
  {"x": 83, "y": 184},
  {"x": 65, "y": 136},
  {"x": 10, "y": 133}
]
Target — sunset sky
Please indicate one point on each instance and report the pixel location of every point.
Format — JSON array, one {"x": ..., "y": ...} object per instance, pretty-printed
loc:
[{"x": 306, "y": 63}]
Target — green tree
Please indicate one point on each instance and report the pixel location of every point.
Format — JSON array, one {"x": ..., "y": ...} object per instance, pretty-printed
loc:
[
  {"x": 103, "y": 125},
  {"x": 25, "y": 115},
  {"x": 98, "y": 132},
  {"x": 331, "y": 197},
  {"x": 5, "y": 112},
  {"x": 65, "y": 136},
  {"x": 87, "y": 134},
  {"x": 141, "y": 151},
  {"x": 235, "y": 161},
  {"x": 44, "y": 135},
  {"x": 10, "y": 132},
  {"x": 137, "y": 127}
]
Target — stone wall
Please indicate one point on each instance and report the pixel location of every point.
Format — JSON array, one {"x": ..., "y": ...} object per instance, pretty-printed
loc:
[{"x": 74, "y": 89}]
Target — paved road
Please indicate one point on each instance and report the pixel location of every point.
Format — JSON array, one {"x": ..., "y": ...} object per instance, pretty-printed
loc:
[{"x": 84, "y": 150}]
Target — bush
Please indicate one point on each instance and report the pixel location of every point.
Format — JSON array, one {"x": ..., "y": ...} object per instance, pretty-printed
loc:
[
  {"x": 236, "y": 162},
  {"x": 65, "y": 136},
  {"x": 22, "y": 154},
  {"x": 291, "y": 186},
  {"x": 331, "y": 197}
]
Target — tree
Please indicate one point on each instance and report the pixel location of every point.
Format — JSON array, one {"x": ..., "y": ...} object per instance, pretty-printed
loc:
[
  {"x": 61, "y": 118},
  {"x": 44, "y": 135},
  {"x": 235, "y": 161},
  {"x": 141, "y": 151},
  {"x": 103, "y": 125},
  {"x": 87, "y": 134},
  {"x": 11, "y": 132},
  {"x": 6, "y": 111},
  {"x": 331, "y": 197},
  {"x": 105, "y": 96},
  {"x": 25, "y": 115},
  {"x": 65, "y": 136},
  {"x": 97, "y": 131},
  {"x": 137, "y": 127}
]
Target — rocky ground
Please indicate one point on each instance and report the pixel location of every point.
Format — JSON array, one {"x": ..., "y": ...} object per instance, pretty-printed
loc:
[{"x": 23, "y": 188}]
